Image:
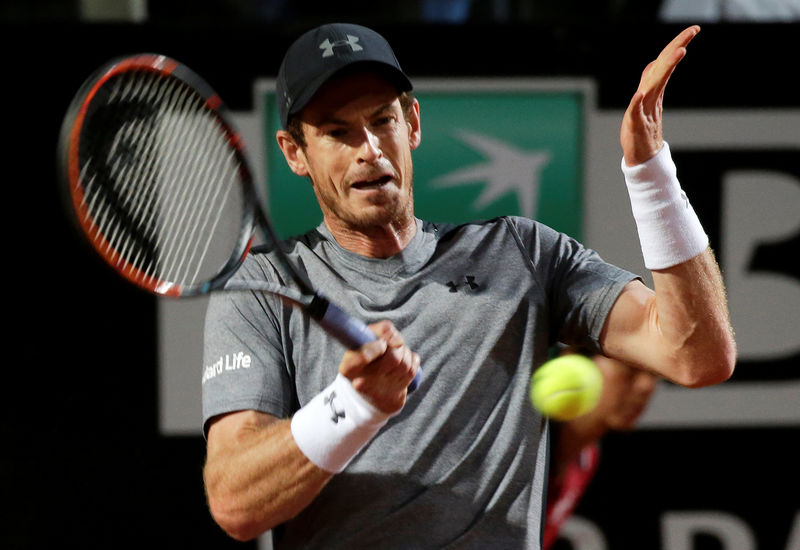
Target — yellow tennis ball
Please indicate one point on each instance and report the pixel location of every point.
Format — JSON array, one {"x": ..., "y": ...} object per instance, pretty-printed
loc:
[{"x": 566, "y": 387}]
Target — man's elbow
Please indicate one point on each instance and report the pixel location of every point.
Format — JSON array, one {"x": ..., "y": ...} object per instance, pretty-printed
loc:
[
  {"x": 711, "y": 368},
  {"x": 228, "y": 509},
  {"x": 237, "y": 525}
]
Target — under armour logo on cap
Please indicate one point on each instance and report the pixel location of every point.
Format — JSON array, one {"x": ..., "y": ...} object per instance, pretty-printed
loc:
[
  {"x": 322, "y": 52},
  {"x": 327, "y": 46}
]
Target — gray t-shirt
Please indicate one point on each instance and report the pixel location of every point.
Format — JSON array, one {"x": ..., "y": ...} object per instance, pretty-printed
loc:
[{"x": 463, "y": 465}]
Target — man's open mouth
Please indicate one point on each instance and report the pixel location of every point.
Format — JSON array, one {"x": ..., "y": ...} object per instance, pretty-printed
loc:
[{"x": 373, "y": 183}]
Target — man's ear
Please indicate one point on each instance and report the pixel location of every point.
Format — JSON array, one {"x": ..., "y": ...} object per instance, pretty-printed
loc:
[
  {"x": 414, "y": 128},
  {"x": 293, "y": 153}
]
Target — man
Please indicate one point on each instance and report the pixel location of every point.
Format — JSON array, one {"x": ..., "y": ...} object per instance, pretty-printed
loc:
[
  {"x": 575, "y": 444},
  {"x": 325, "y": 446}
]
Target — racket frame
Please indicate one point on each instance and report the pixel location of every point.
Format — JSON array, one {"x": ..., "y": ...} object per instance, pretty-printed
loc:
[
  {"x": 68, "y": 158},
  {"x": 352, "y": 332}
]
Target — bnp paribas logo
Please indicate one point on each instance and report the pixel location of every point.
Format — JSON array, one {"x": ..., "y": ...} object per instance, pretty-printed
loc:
[
  {"x": 494, "y": 148},
  {"x": 489, "y": 148},
  {"x": 506, "y": 169}
]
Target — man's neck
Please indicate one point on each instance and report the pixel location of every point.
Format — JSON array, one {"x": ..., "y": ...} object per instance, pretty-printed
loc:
[{"x": 375, "y": 242}]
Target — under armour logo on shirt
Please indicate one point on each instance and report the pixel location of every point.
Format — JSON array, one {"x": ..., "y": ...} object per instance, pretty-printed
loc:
[
  {"x": 327, "y": 46},
  {"x": 335, "y": 413},
  {"x": 469, "y": 282}
]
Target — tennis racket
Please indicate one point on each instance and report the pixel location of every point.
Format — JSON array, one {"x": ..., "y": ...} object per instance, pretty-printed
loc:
[{"x": 159, "y": 181}]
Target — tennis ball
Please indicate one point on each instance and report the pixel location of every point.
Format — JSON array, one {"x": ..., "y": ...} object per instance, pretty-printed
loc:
[{"x": 566, "y": 387}]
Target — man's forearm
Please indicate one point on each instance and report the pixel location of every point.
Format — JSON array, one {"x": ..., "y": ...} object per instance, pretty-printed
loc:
[
  {"x": 681, "y": 331},
  {"x": 692, "y": 315},
  {"x": 262, "y": 481}
]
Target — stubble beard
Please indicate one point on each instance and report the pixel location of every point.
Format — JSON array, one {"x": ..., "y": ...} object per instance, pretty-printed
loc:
[{"x": 397, "y": 210}]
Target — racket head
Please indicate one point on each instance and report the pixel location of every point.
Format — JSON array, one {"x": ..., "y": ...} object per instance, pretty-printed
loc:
[{"x": 156, "y": 177}]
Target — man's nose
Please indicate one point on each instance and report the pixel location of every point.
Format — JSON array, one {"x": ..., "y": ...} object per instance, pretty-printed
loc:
[{"x": 370, "y": 149}]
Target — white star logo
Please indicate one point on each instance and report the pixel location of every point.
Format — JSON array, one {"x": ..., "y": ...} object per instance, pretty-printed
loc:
[{"x": 508, "y": 169}]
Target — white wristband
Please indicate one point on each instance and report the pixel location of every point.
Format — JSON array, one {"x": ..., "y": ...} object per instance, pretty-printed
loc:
[
  {"x": 669, "y": 229},
  {"x": 335, "y": 425}
]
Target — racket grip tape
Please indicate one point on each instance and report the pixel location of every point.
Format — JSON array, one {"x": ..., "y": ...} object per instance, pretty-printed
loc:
[{"x": 350, "y": 331}]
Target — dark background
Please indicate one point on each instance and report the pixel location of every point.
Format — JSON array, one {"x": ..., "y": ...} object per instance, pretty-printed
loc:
[{"x": 82, "y": 462}]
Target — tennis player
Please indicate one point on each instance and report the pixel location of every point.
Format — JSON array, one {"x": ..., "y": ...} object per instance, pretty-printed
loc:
[{"x": 325, "y": 446}]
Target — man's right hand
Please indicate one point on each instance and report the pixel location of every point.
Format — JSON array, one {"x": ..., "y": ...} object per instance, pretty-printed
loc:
[{"x": 382, "y": 370}]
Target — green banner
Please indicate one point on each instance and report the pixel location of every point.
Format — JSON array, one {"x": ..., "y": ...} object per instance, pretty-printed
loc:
[{"x": 486, "y": 151}]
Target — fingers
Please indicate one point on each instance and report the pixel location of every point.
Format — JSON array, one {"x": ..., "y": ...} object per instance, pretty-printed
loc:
[
  {"x": 676, "y": 50},
  {"x": 398, "y": 363},
  {"x": 641, "y": 131},
  {"x": 683, "y": 39},
  {"x": 356, "y": 361},
  {"x": 382, "y": 370},
  {"x": 657, "y": 73},
  {"x": 385, "y": 330}
]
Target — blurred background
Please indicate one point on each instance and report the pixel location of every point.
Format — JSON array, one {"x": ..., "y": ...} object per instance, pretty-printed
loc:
[{"x": 98, "y": 449}]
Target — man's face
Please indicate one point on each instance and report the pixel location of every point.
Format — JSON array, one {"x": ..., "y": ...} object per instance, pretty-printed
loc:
[{"x": 358, "y": 152}]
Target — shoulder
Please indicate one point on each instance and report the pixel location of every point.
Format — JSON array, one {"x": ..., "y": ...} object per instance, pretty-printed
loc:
[
  {"x": 290, "y": 245},
  {"x": 531, "y": 238},
  {"x": 501, "y": 224},
  {"x": 262, "y": 260}
]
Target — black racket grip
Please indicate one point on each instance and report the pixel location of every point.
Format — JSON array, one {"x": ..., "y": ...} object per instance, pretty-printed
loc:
[{"x": 350, "y": 331}]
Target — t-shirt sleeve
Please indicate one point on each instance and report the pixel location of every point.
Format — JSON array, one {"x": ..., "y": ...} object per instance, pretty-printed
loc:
[
  {"x": 580, "y": 285},
  {"x": 244, "y": 363}
]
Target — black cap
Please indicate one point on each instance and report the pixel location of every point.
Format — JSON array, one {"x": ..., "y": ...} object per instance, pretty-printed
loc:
[{"x": 322, "y": 52}]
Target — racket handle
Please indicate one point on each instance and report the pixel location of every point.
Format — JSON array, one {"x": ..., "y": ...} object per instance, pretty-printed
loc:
[{"x": 350, "y": 331}]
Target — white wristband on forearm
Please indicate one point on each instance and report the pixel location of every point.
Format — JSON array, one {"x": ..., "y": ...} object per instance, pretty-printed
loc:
[
  {"x": 669, "y": 229},
  {"x": 335, "y": 425}
]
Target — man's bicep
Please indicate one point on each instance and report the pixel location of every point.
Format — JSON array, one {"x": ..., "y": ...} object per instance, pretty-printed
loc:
[{"x": 628, "y": 331}]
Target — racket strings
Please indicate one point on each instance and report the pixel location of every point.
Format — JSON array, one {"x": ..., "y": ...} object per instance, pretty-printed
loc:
[
  {"x": 121, "y": 183},
  {"x": 137, "y": 188},
  {"x": 159, "y": 178},
  {"x": 182, "y": 208},
  {"x": 196, "y": 223},
  {"x": 173, "y": 102}
]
